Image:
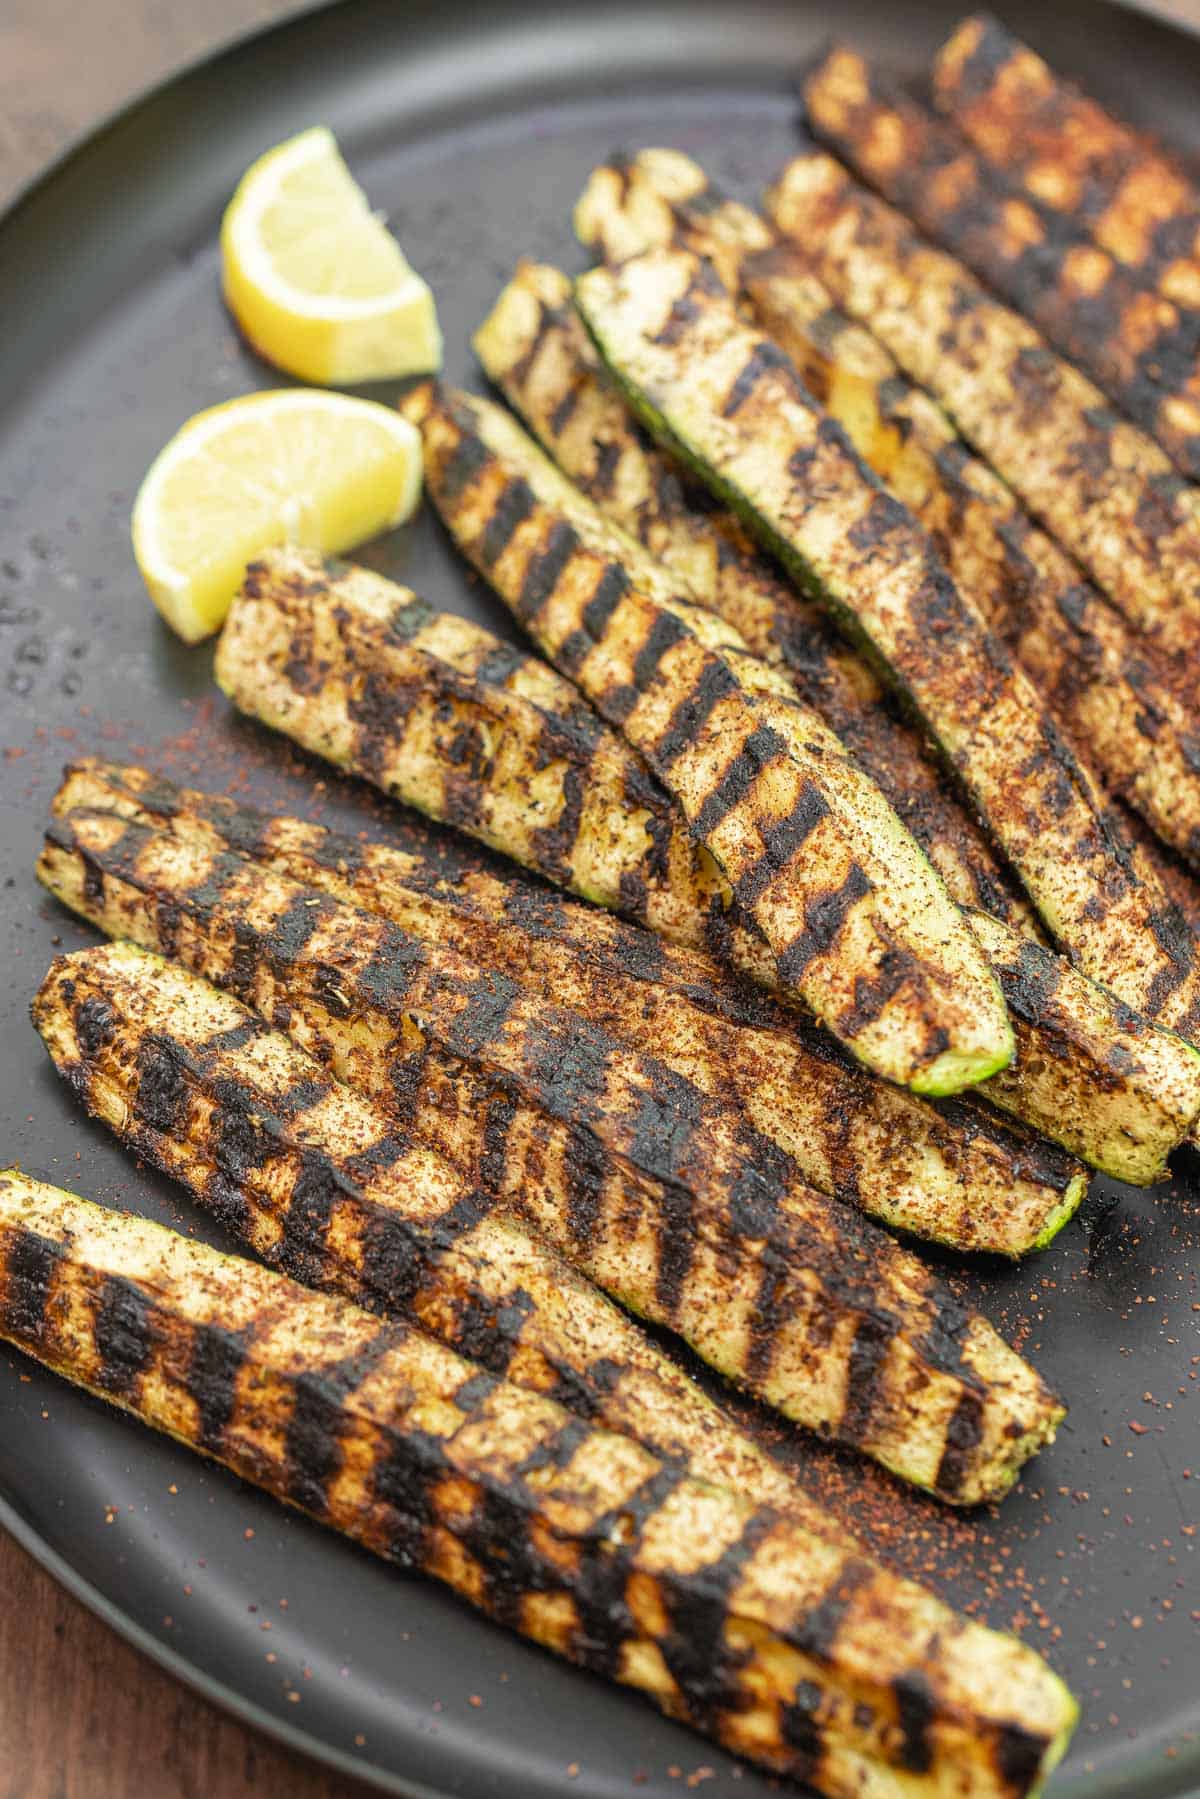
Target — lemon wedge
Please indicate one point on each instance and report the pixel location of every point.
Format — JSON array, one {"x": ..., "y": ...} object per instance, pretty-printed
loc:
[
  {"x": 315, "y": 280},
  {"x": 297, "y": 465}
]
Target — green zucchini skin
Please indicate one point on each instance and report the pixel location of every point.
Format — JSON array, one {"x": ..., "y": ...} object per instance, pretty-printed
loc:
[
  {"x": 728, "y": 399},
  {"x": 668, "y": 1200},
  {"x": 576, "y": 1537},
  {"x": 1106, "y": 491},
  {"x": 950, "y": 1172},
  {"x": 1091, "y": 309},
  {"x": 1100, "y": 679},
  {"x": 534, "y": 347},
  {"x": 860, "y": 924}
]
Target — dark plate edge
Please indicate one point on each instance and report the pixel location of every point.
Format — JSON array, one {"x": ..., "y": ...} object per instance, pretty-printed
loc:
[
  {"x": 185, "y": 1671},
  {"x": 171, "y": 1661}
]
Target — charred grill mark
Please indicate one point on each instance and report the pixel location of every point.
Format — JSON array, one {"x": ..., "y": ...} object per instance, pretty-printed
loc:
[
  {"x": 824, "y": 919},
  {"x": 782, "y": 840},
  {"x": 564, "y": 409},
  {"x": 1019, "y": 1755},
  {"x": 765, "y": 358},
  {"x": 463, "y": 467},
  {"x": 218, "y": 1356},
  {"x": 763, "y": 746},
  {"x": 917, "y": 1710},
  {"x": 963, "y": 1436},
  {"x": 545, "y": 570},
  {"x": 695, "y": 1649},
  {"x": 490, "y": 998},
  {"x": 610, "y": 590},
  {"x": 682, "y": 314},
  {"x": 664, "y": 634},
  {"x": 715, "y": 684},
  {"x": 868, "y": 1353},
  {"x": 817, "y": 1633},
  {"x": 30, "y": 1263},
  {"x": 513, "y": 506},
  {"x": 121, "y": 1325},
  {"x": 162, "y": 1087}
]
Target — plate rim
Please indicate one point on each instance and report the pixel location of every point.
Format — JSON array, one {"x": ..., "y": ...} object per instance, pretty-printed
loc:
[{"x": 354, "y": 1766}]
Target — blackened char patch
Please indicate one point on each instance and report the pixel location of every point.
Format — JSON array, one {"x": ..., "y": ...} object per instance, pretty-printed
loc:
[
  {"x": 868, "y": 1353},
  {"x": 561, "y": 415},
  {"x": 666, "y": 631},
  {"x": 545, "y": 569},
  {"x": 95, "y": 1022},
  {"x": 716, "y": 683},
  {"x": 800, "y": 1727},
  {"x": 513, "y": 506},
  {"x": 163, "y": 1086},
  {"x": 762, "y": 747},
  {"x": 29, "y": 1267},
  {"x": 781, "y": 841},
  {"x": 490, "y": 997},
  {"x": 607, "y": 595},
  {"x": 764, "y": 358},
  {"x": 289, "y": 933},
  {"x": 964, "y": 1433},
  {"x": 467, "y": 460},
  {"x": 1019, "y": 1755},
  {"x": 817, "y": 1633},
  {"x": 695, "y": 1648},
  {"x": 475, "y": 1390},
  {"x": 488, "y": 1328},
  {"x": 608, "y": 458},
  {"x": 121, "y": 1323},
  {"x": 683, "y": 313},
  {"x": 824, "y": 917},
  {"x": 216, "y": 1362},
  {"x": 915, "y": 1705}
]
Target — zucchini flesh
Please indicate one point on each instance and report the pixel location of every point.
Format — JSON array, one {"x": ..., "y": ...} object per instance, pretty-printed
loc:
[
  {"x": 320, "y": 1184},
  {"x": 1140, "y": 348},
  {"x": 577, "y": 1537},
  {"x": 1101, "y": 486},
  {"x": 536, "y": 350},
  {"x": 674, "y": 1205},
  {"x": 462, "y": 737},
  {"x": 1098, "y": 678},
  {"x": 858, "y": 921},
  {"x": 1071, "y": 156},
  {"x": 730, "y": 400},
  {"x": 953, "y": 1174}
]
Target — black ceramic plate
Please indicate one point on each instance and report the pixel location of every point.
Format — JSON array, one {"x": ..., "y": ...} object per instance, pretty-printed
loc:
[{"x": 474, "y": 128}]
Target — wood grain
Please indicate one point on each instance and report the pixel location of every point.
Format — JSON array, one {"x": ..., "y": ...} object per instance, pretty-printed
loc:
[{"x": 82, "y": 1715}]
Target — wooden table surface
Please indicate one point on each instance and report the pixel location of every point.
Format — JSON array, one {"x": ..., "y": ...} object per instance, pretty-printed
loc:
[{"x": 82, "y": 1715}]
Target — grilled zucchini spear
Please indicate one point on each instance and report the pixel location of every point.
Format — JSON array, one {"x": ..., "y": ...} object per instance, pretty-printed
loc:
[
  {"x": 465, "y": 740},
  {"x": 1096, "y": 675},
  {"x": 535, "y": 348},
  {"x": 1105, "y": 490},
  {"x": 673, "y": 1204},
  {"x": 951, "y": 1173},
  {"x": 786, "y": 1648},
  {"x": 1072, "y": 157},
  {"x": 319, "y": 1183},
  {"x": 1139, "y": 346},
  {"x": 729, "y": 399},
  {"x": 858, "y": 921}
]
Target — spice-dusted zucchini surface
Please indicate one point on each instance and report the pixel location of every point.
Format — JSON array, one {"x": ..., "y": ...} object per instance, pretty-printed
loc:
[
  {"x": 675, "y": 1205},
  {"x": 797, "y": 1653},
  {"x": 856, "y": 917}
]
